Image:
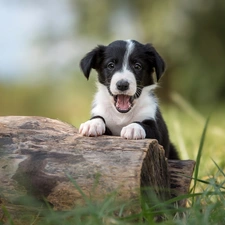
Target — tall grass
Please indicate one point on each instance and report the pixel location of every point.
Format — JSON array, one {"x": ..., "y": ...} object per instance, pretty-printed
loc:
[
  {"x": 206, "y": 205},
  {"x": 199, "y": 155}
]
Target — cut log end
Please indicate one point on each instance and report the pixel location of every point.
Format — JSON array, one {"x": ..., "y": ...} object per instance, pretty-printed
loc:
[{"x": 39, "y": 154}]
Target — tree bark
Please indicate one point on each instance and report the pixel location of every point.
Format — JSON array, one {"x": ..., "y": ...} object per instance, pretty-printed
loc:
[{"x": 46, "y": 158}]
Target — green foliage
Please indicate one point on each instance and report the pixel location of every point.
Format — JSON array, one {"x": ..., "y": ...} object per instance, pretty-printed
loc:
[
  {"x": 199, "y": 155},
  {"x": 190, "y": 36},
  {"x": 68, "y": 100},
  {"x": 206, "y": 205}
]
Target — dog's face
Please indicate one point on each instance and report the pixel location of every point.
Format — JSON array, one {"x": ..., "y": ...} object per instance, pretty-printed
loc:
[{"x": 125, "y": 68}]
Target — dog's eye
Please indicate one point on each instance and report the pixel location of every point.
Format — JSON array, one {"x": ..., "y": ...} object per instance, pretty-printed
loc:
[
  {"x": 111, "y": 66},
  {"x": 137, "y": 66}
]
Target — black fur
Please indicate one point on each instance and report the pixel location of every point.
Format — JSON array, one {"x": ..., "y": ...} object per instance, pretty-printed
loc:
[
  {"x": 99, "y": 59},
  {"x": 156, "y": 130}
]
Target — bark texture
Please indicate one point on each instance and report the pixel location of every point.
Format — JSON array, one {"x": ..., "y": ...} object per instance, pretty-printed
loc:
[{"x": 39, "y": 157}]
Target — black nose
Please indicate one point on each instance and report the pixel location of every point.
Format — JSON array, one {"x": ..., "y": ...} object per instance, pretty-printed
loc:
[{"x": 122, "y": 85}]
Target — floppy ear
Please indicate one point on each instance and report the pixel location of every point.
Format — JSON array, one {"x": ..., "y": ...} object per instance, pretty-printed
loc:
[
  {"x": 92, "y": 60},
  {"x": 157, "y": 61}
]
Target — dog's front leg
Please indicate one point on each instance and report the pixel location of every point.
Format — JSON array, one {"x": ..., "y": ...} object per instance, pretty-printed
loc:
[
  {"x": 133, "y": 131},
  {"x": 92, "y": 128}
]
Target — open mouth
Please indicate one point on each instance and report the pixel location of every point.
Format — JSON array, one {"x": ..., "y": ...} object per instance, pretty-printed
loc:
[{"x": 123, "y": 103}]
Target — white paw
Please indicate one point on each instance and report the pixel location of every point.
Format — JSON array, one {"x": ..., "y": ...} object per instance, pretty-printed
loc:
[
  {"x": 92, "y": 128},
  {"x": 133, "y": 131}
]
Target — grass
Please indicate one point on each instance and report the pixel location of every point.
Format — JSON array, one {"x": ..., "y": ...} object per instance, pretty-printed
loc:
[
  {"x": 206, "y": 207},
  {"x": 194, "y": 137},
  {"x": 206, "y": 203},
  {"x": 185, "y": 125}
]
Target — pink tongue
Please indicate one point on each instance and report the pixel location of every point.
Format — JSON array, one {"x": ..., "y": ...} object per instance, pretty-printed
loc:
[{"x": 123, "y": 102}]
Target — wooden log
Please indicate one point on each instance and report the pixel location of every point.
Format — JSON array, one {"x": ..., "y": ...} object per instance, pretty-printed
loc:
[{"x": 38, "y": 156}]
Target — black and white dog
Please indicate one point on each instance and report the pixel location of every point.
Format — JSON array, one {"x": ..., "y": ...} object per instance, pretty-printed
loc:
[{"x": 125, "y": 104}]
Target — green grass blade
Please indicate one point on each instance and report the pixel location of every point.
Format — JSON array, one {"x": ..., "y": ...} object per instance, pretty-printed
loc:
[
  {"x": 85, "y": 197},
  {"x": 208, "y": 183},
  {"x": 198, "y": 159},
  {"x": 7, "y": 214},
  {"x": 186, "y": 196},
  {"x": 221, "y": 171}
]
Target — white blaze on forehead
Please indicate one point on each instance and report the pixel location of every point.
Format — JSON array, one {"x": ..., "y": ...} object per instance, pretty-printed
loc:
[
  {"x": 129, "y": 50},
  {"x": 125, "y": 74}
]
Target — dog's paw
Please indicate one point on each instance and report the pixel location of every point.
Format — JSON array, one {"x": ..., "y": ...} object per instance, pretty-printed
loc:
[
  {"x": 92, "y": 128},
  {"x": 133, "y": 131}
]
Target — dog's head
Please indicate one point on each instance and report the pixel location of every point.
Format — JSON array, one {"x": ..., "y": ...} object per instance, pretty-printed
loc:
[{"x": 125, "y": 68}]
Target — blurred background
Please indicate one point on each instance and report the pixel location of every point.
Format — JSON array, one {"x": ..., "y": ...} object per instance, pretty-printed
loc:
[{"x": 42, "y": 42}]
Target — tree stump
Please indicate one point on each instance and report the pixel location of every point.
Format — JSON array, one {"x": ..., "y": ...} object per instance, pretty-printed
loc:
[{"x": 39, "y": 157}]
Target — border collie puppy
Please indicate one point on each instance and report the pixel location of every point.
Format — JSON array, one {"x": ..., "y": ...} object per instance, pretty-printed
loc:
[{"x": 125, "y": 104}]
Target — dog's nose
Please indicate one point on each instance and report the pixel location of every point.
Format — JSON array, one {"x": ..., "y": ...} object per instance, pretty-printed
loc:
[{"x": 122, "y": 85}]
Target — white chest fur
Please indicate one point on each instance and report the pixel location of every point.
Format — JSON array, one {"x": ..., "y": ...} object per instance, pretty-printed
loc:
[{"x": 144, "y": 108}]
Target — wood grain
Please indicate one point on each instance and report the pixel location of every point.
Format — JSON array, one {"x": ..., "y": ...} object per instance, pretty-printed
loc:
[{"x": 39, "y": 157}]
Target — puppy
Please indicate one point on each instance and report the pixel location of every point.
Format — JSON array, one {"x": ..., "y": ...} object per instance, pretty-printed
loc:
[{"x": 125, "y": 104}]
